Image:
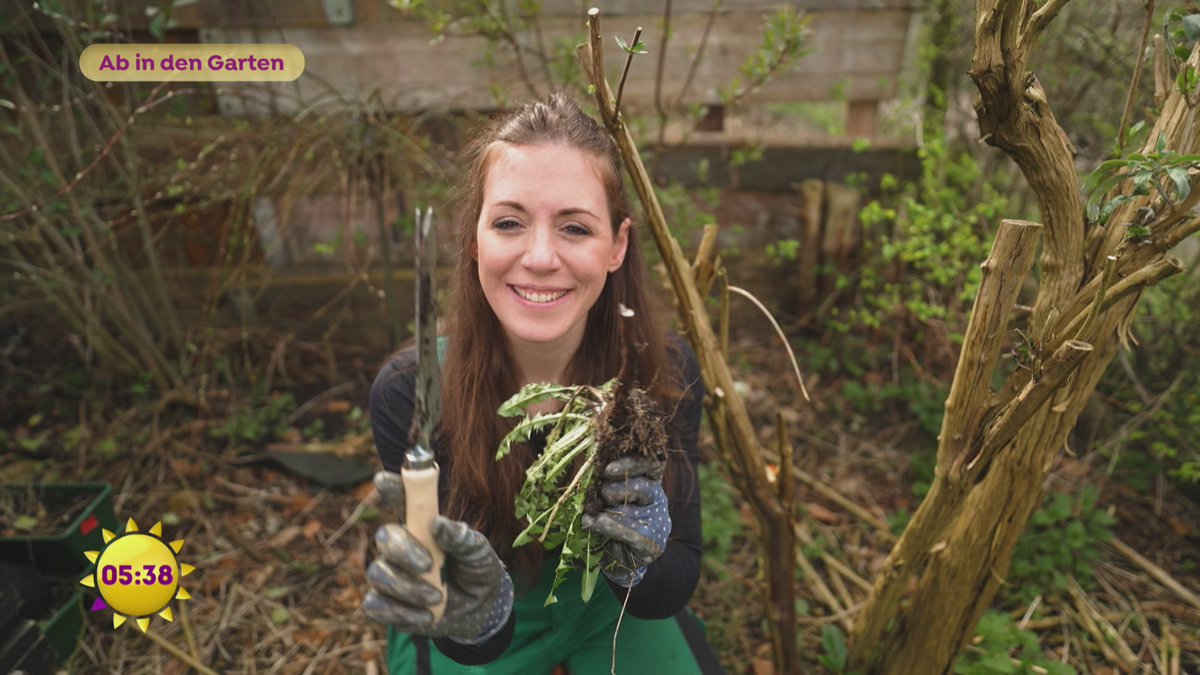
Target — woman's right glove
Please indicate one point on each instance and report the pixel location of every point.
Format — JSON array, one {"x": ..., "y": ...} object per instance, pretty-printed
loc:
[{"x": 478, "y": 589}]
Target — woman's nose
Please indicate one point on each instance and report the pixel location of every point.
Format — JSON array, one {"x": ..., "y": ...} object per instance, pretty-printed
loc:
[{"x": 541, "y": 254}]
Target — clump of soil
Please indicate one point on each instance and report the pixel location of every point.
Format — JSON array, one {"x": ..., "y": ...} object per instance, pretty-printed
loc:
[{"x": 631, "y": 425}]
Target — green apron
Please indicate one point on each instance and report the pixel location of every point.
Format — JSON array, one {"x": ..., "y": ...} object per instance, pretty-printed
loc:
[{"x": 574, "y": 634}]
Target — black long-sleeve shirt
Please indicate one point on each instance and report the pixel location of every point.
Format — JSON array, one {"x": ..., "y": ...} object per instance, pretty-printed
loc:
[{"x": 668, "y": 581}]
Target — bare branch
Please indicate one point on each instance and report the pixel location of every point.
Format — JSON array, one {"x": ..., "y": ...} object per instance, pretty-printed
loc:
[
  {"x": 1038, "y": 22},
  {"x": 1137, "y": 75}
]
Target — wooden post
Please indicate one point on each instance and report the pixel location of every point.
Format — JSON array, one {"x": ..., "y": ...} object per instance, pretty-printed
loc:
[{"x": 860, "y": 118}]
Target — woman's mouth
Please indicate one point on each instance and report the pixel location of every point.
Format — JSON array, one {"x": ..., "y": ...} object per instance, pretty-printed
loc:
[{"x": 538, "y": 297}]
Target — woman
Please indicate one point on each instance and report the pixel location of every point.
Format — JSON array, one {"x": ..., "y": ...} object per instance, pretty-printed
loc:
[{"x": 546, "y": 255}]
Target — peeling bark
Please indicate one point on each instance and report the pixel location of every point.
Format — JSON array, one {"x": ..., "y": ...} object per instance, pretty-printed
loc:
[{"x": 960, "y": 540}]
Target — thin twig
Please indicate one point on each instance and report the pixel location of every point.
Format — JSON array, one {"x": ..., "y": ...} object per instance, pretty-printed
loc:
[
  {"x": 631, "y": 50},
  {"x": 321, "y": 398},
  {"x": 179, "y": 653},
  {"x": 779, "y": 332},
  {"x": 687, "y": 81},
  {"x": 1137, "y": 75},
  {"x": 613, "y": 668},
  {"x": 658, "y": 72},
  {"x": 1157, "y": 573},
  {"x": 148, "y": 104}
]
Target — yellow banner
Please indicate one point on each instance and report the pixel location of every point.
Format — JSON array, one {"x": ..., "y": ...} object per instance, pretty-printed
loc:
[{"x": 192, "y": 63}]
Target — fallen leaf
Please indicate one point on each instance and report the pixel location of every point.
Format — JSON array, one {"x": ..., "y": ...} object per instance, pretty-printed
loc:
[
  {"x": 25, "y": 522},
  {"x": 212, "y": 581},
  {"x": 298, "y": 502},
  {"x": 1181, "y": 528},
  {"x": 364, "y": 490},
  {"x": 185, "y": 467},
  {"x": 313, "y": 637},
  {"x": 348, "y": 597},
  {"x": 285, "y": 536},
  {"x": 182, "y": 501},
  {"x": 311, "y": 528},
  {"x": 279, "y": 615},
  {"x": 822, "y": 514},
  {"x": 239, "y": 517}
]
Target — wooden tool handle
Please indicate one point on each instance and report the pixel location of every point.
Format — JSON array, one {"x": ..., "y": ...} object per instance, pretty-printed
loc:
[{"x": 421, "y": 506}]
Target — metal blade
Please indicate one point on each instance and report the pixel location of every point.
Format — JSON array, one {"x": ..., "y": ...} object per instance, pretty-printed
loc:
[{"x": 429, "y": 401}]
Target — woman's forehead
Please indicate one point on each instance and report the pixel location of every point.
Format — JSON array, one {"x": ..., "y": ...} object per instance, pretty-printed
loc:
[{"x": 544, "y": 172}]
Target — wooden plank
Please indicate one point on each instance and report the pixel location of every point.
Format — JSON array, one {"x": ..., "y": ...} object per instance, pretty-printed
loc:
[
  {"x": 270, "y": 14},
  {"x": 856, "y": 54},
  {"x": 783, "y": 166},
  {"x": 841, "y": 225},
  {"x": 860, "y": 118}
]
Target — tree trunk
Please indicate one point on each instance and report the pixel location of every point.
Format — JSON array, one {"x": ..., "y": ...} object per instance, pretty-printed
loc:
[{"x": 996, "y": 449}]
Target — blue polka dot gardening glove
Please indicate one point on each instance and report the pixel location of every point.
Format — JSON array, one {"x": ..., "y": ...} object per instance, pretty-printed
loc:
[
  {"x": 634, "y": 518},
  {"x": 479, "y": 592}
]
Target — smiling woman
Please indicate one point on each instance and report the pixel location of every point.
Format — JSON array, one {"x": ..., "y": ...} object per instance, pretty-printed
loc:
[
  {"x": 545, "y": 247},
  {"x": 546, "y": 256}
]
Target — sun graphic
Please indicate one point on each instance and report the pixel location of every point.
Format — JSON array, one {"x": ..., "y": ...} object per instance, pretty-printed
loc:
[{"x": 137, "y": 575}]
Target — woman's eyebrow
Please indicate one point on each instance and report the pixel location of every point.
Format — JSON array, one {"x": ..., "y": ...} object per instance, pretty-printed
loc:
[{"x": 569, "y": 211}]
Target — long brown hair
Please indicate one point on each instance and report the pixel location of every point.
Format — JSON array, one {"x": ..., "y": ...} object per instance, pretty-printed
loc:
[{"x": 479, "y": 374}]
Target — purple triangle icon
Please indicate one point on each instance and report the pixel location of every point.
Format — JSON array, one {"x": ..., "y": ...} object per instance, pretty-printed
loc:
[{"x": 99, "y": 604}]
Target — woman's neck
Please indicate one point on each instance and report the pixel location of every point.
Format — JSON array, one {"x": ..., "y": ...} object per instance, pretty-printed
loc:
[{"x": 540, "y": 362}]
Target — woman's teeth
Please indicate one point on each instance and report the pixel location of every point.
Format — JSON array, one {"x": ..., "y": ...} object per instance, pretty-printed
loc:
[{"x": 539, "y": 297}]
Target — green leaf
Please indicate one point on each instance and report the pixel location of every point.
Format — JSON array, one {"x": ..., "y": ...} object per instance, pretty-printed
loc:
[
  {"x": 622, "y": 43},
  {"x": 834, "y": 645},
  {"x": 1179, "y": 175},
  {"x": 279, "y": 616},
  {"x": 1191, "y": 27},
  {"x": 589, "y": 580},
  {"x": 25, "y": 523},
  {"x": 1161, "y": 144}
]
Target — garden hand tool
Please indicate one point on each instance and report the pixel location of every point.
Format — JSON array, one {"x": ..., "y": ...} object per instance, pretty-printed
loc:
[{"x": 420, "y": 471}]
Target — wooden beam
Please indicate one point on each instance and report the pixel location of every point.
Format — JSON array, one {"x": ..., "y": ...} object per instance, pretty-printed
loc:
[{"x": 856, "y": 54}]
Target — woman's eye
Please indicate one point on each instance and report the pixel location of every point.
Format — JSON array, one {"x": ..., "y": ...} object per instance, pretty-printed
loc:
[
  {"x": 506, "y": 224},
  {"x": 576, "y": 228}
]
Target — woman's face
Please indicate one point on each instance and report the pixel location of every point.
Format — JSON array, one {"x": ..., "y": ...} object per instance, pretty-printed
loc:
[{"x": 544, "y": 242}]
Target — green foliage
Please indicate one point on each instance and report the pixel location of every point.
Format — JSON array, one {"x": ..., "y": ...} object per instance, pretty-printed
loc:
[
  {"x": 637, "y": 48},
  {"x": 720, "y": 515},
  {"x": 833, "y": 650},
  {"x": 1062, "y": 539},
  {"x": 936, "y": 231},
  {"x": 1146, "y": 174},
  {"x": 263, "y": 419},
  {"x": 784, "y": 249},
  {"x": 782, "y": 43},
  {"x": 1001, "y": 643},
  {"x": 1157, "y": 433},
  {"x": 554, "y": 513}
]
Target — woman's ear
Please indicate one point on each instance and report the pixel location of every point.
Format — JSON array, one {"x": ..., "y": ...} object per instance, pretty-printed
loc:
[{"x": 620, "y": 245}]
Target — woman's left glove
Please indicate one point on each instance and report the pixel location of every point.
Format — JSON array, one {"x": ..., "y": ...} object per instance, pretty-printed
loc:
[
  {"x": 635, "y": 518},
  {"x": 479, "y": 592}
]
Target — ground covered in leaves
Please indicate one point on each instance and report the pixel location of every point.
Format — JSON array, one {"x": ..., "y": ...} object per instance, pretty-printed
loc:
[{"x": 280, "y": 558}]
